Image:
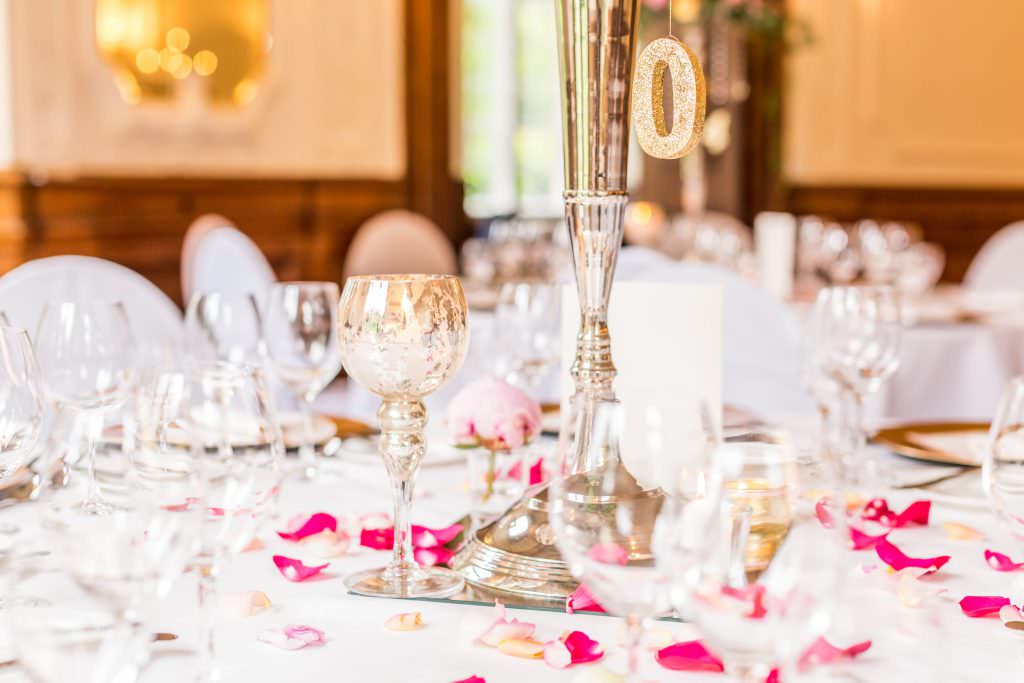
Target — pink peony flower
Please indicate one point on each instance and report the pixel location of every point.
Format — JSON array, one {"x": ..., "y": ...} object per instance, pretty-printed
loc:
[{"x": 491, "y": 413}]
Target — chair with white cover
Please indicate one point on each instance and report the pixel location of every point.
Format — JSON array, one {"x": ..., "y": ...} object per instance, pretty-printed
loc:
[
  {"x": 154, "y": 318},
  {"x": 399, "y": 241},
  {"x": 762, "y": 348},
  {"x": 218, "y": 257},
  {"x": 998, "y": 264}
]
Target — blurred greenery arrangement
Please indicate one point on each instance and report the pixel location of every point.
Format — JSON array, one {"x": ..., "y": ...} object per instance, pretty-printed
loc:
[{"x": 767, "y": 19}]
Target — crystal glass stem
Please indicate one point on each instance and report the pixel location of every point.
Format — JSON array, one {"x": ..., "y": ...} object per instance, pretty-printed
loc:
[
  {"x": 855, "y": 439},
  {"x": 207, "y": 571},
  {"x": 92, "y": 427},
  {"x": 402, "y": 446},
  {"x": 634, "y": 639},
  {"x": 307, "y": 449}
]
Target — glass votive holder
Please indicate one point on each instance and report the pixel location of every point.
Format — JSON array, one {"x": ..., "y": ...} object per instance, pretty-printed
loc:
[{"x": 497, "y": 479}]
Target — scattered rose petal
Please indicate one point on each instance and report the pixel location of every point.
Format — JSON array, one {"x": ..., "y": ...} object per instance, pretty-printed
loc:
[
  {"x": 962, "y": 532},
  {"x": 581, "y": 600},
  {"x": 423, "y": 537},
  {"x": 894, "y": 557},
  {"x": 244, "y": 604},
  {"x": 526, "y": 648},
  {"x": 254, "y": 545},
  {"x": 862, "y": 541},
  {"x": 753, "y": 594},
  {"x": 377, "y": 539},
  {"x": 429, "y": 557},
  {"x": 574, "y": 647},
  {"x": 877, "y": 510},
  {"x": 911, "y": 591},
  {"x": 292, "y": 637},
  {"x": 1011, "y": 617},
  {"x": 688, "y": 656},
  {"x": 490, "y": 628},
  {"x": 598, "y": 674},
  {"x": 537, "y": 473},
  {"x": 982, "y": 605},
  {"x": 609, "y": 553},
  {"x": 823, "y": 514},
  {"x": 406, "y": 621},
  {"x": 507, "y": 630},
  {"x": 471, "y": 679},
  {"x": 300, "y": 527},
  {"x": 325, "y": 544},
  {"x": 1001, "y": 562},
  {"x": 823, "y": 652},
  {"x": 293, "y": 570}
]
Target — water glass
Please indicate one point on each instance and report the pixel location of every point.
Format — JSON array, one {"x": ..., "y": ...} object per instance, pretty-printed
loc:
[
  {"x": 1003, "y": 463},
  {"x": 529, "y": 322},
  {"x": 224, "y": 326},
  {"x": 22, "y": 405}
]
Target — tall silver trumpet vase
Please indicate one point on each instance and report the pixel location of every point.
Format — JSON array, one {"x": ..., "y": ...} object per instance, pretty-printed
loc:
[{"x": 596, "y": 42}]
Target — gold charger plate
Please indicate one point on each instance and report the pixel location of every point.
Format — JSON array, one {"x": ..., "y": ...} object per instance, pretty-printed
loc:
[{"x": 900, "y": 440}]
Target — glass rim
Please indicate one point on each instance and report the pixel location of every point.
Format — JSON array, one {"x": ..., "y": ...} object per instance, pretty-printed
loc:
[
  {"x": 302, "y": 283},
  {"x": 409, "y": 278}
]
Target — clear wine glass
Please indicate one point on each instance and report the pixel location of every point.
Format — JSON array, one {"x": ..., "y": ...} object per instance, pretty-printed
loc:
[
  {"x": 402, "y": 337},
  {"x": 1003, "y": 463},
  {"x": 22, "y": 406},
  {"x": 618, "y": 467},
  {"x": 767, "y": 576},
  {"x": 856, "y": 332},
  {"x": 301, "y": 333},
  {"x": 528, "y": 317},
  {"x": 84, "y": 351},
  {"x": 95, "y": 571},
  {"x": 224, "y": 326}
]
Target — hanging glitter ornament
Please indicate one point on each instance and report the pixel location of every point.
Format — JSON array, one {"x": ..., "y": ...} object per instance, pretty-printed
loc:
[{"x": 689, "y": 97}]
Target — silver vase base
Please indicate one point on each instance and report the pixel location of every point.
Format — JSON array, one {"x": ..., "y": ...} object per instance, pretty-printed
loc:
[{"x": 420, "y": 582}]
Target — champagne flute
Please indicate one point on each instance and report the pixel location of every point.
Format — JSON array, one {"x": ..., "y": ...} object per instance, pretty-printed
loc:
[
  {"x": 619, "y": 465},
  {"x": 766, "y": 579},
  {"x": 300, "y": 329},
  {"x": 224, "y": 326},
  {"x": 857, "y": 333},
  {"x": 85, "y": 354},
  {"x": 402, "y": 337},
  {"x": 1003, "y": 464},
  {"x": 528, "y": 317},
  {"x": 22, "y": 407}
]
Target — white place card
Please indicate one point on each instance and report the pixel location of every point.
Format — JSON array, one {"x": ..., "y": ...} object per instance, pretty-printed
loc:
[
  {"x": 775, "y": 244},
  {"x": 667, "y": 348}
]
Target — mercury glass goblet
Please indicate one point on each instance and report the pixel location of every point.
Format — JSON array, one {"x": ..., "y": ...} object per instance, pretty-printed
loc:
[{"x": 402, "y": 337}]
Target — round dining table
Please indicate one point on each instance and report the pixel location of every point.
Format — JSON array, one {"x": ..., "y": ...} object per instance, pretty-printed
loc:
[{"x": 930, "y": 642}]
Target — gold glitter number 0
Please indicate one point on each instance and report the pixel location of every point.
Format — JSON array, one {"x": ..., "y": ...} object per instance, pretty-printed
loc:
[{"x": 689, "y": 94}]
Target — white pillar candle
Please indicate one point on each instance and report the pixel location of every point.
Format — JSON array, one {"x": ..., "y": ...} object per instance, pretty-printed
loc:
[{"x": 775, "y": 243}]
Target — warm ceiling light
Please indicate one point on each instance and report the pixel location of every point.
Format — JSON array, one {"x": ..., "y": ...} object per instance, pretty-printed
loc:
[
  {"x": 147, "y": 60},
  {"x": 178, "y": 39},
  {"x": 205, "y": 62}
]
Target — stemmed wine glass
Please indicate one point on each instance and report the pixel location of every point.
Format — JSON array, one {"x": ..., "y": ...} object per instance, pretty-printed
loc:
[
  {"x": 224, "y": 326},
  {"x": 22, "y": 406},
  {"x": 856, "y": 334},
  {"x": 1003, "y": 463},
  {"x": 95, "y": 570},
  {"x": 528, "y": 317},
  {"x": 619, "y": 466},
  {"x": 85, "y": 354},
  {"x": 300, "y": 329},
  {"x": 402, "y": 337},
  {"x": 765, "y": 580}
]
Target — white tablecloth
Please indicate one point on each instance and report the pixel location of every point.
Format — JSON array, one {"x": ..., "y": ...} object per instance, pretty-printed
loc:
[{"x": 934, "y": 643}]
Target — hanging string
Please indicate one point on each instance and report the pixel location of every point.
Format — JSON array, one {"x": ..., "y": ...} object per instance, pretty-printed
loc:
[{"x": 670, "y": 18}]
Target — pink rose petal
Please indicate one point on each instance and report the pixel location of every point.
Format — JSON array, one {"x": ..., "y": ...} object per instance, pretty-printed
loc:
[
  {"x": 526, "y": 648},
  {"x": 507, "y": 630},
  {"x": 1012, "y": 617},
  {"x": 877, "y": 510},
  {"x": 976, "y": 606},
  {"x": 491, "y": 412},
  {"x": 292, "y": 637},
  {"x": 325, "y": 544},
  {"x": 377, "y": 539},
  {"x": 312, "y": 525},
  {"x": 583, "y": 648},
  {"x": 824, "y": 515},
  {"x": 609, "y": 553},
  {"x": 406, "y": 621},
  {"x": 823, "y": 652},
  {"x": 688, "y": 656},
  {"x": 294, "y": 570},
  {"x": 557, "y": 655},
  {"x": 471, "y": 679},
  {"x": 1001, "y": 562},
  {"x": 537, "y": 473},
  {"x": 581, "y": 600},
  {"x": 429, "y": 557},
  {"x": 423, "y": 537},
  {"x": 754, "y": 594},
  {"x": 862, "y": 541},
  {"x": 895, "y": 558}
]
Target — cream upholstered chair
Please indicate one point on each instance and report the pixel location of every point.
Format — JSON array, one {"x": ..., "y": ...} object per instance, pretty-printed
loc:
[
  {"x": 26, "y": 289},
  {"x": 218, "y": 257},
  {"x": 399, "y": 241},
  {"x": 998, "y": 264}
]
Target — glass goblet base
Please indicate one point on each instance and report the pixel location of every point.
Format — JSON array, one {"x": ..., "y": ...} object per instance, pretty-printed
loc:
[{"x": 418, "y": 582}]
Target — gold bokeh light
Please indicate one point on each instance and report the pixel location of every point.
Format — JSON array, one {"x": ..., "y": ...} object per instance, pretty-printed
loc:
[{"x": 153, "y": 45}]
